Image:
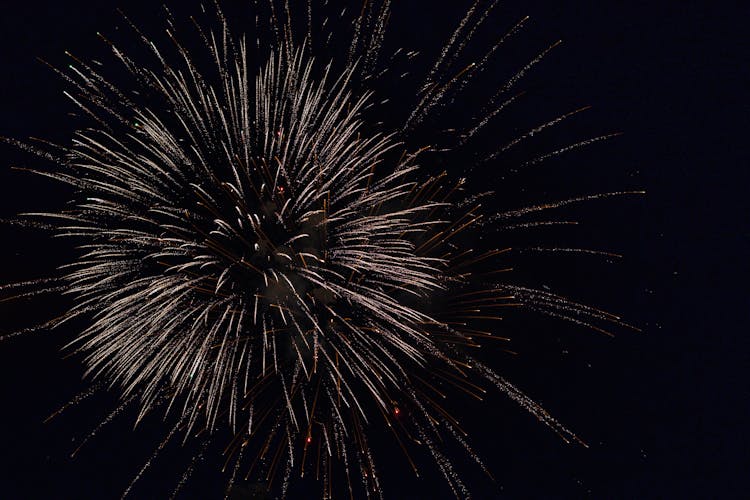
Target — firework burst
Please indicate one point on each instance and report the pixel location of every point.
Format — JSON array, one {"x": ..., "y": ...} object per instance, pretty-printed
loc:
[{"x": 257, "y": 252}]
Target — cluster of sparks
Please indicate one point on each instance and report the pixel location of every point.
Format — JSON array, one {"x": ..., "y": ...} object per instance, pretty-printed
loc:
[{"x": 255, "y": 256}]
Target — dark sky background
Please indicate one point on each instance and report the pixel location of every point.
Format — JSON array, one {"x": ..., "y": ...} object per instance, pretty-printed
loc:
[{"x": 664, "y": 411}]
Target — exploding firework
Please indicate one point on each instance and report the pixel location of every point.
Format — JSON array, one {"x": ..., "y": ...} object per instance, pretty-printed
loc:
[{"x": 260, "y": 253}]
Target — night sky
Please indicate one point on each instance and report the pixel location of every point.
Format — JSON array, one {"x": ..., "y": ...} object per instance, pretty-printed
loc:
[{"x": 664, "y": 411}]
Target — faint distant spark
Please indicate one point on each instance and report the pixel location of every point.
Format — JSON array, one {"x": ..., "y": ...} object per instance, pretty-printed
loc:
[{"x": 258, "y": 251}]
